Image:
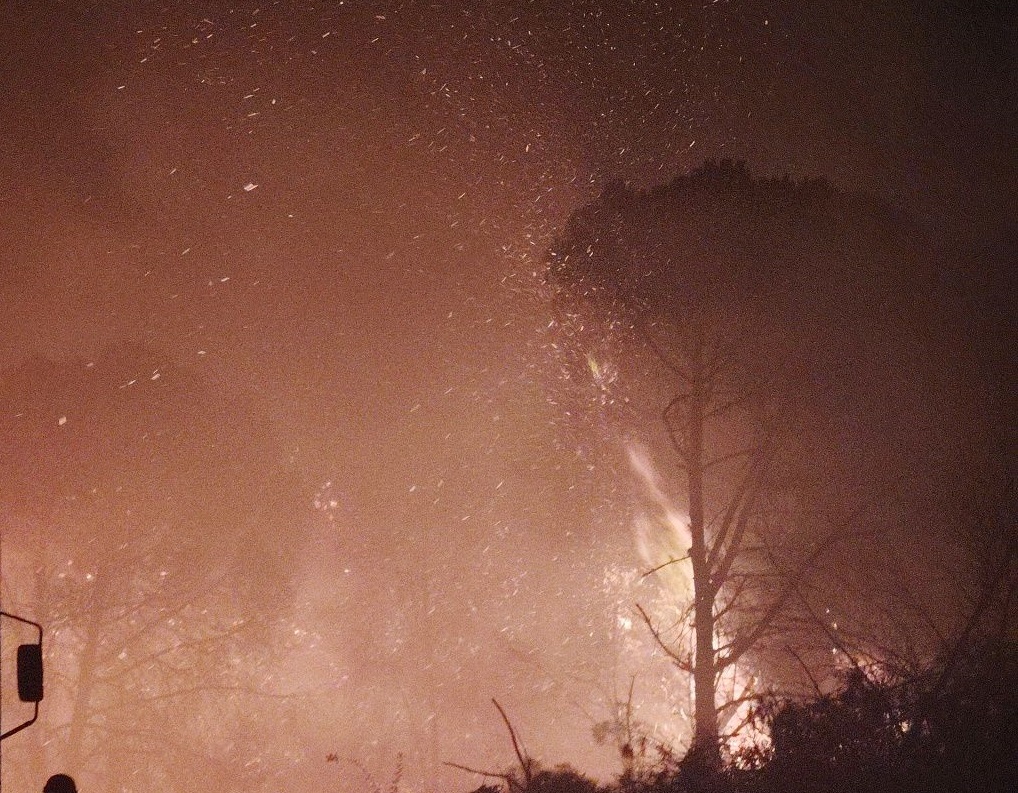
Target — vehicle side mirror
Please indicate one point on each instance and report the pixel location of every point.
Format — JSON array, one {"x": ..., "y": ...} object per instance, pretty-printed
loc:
[{"x": 30, "y": 672}]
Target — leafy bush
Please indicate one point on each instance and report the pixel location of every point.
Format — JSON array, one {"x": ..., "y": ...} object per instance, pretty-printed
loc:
[{"x": 951, "y": 727}]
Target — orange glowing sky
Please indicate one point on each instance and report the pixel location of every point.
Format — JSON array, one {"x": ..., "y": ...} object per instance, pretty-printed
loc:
[{"x": 321, "y": 224}]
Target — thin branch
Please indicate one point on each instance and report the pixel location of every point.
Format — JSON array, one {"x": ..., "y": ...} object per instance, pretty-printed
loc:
[
  {"x": 725, "y": 557},
  {"x": 732, "y": 601},
  {"x": 524, "y": 761},
  {"x": 679, "y": 661},
  {"x": 990, "y": 587},
  {"x": 660, "y": 354},
  {"x": 805, "y": 668},
  {"x": 728, "y": 710},
  {"x": 163, "y": 614},
  {"x": 663, "y": 565},
  {"x": 629, "y": 711},
  {"x": 673, "y": 403},
  {"x": 168, "y": 649},
  {"x": 507, "y": 778},
  {"x": 714, "y": 462},
  {"x": 673, "y": 432},
  {"x": 469, "y": 770},
  {"x": 739, "y": 508},
  {"x": 833, "y": 638},
  {"x": 727, "y": 520},
  {"x": 226, "y": 689},
  {"x": 744, "y": 643},
  {"x": 724, "y": 407},
  {"x": 728, "y": 735}
]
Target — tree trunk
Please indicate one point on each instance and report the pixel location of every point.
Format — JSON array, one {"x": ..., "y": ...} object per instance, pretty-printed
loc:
[
  {"x": 81, "y": 708},
  {"x": 705, "y": 751}
]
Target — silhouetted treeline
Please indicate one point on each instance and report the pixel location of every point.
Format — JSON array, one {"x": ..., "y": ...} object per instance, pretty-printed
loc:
[
  {"x": 858, "y": 348},
  {"x": 949, "y": 727},
  {"x": 807, "y": 362}
]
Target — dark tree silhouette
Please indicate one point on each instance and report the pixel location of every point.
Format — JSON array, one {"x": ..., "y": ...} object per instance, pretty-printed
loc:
[
  {"x": 776, "y": 312},
  {"x": 948, "y": 727}
]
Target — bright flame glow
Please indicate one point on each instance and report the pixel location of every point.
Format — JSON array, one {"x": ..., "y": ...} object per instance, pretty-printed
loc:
[{"x": 663, "y": 540}]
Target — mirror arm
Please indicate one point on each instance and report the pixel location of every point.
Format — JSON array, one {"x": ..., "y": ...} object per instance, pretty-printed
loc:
[
  {"x": 20, "y": 727},
  {"x": 35, "y": 625}
]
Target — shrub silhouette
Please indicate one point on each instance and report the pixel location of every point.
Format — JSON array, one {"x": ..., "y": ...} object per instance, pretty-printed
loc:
[
  {"x": 561, "y": 779},
  {"x": 949, "y": 728}
]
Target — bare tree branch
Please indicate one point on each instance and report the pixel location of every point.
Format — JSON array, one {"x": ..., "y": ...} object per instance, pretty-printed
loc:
[
  {"x": 671, "y": 561},
  {"x": 671, "y": 365},
  {"x": 679, "y": 661},
  {"x": 722, "y": 556},
  {"x": 507, "y": 778},
  {"x": 520, "y": 756},
  {"x": 741, "y": 645}
]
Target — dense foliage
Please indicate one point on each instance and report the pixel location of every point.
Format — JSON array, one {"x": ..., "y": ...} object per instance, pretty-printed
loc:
[
  {"x": 950, "y": 727},
  {"x": 812, "y": 337}
]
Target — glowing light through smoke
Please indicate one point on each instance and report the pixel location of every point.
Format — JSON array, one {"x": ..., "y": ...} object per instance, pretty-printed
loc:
[{"x": 662, "y": 536}]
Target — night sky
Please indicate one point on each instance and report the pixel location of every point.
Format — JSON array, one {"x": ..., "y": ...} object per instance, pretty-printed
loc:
[{"x": 315, "y": 231}]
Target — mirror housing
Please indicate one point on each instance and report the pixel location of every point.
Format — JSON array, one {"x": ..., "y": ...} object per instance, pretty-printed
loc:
[
  {"x": 30, "y": 686},
  {"x": 29, "y": 674}
]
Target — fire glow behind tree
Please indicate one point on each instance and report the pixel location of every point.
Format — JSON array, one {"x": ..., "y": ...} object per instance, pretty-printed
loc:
[{"x": 300, "y": 460}]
